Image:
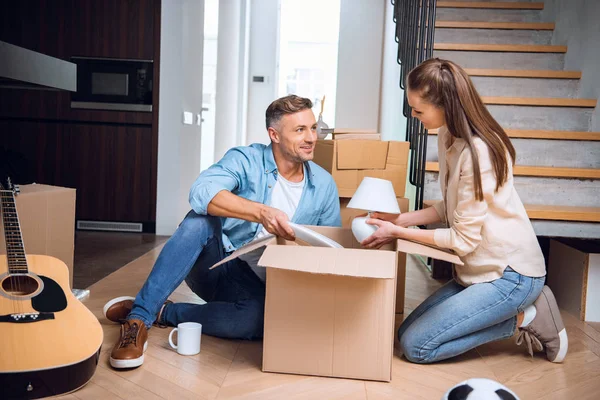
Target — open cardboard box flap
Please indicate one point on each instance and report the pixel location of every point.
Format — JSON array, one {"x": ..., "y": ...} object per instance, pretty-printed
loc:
[
  {"x": 347, "y": 261},
  {"x": 253, "y": 245},
  {"x": 324, "y": 260},
  {"x": 410, "y": 247}
]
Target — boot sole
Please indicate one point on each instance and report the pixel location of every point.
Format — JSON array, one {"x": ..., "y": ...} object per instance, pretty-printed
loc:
[
  {"x": 129, "y": 363},
  {"x": 564, "y": 346},
  {"x": 112, "y": 303}
]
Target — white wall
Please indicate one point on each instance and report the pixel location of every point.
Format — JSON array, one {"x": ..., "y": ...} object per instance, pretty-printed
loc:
[
  {"x": 359, "y": 64},
  {"x": 263, "y": 43},
  {"x": 227, "y": 108},
  {"x": 181, "y": 43},
  {"x": 392, "y": 123},
  {"x": 577, "y": 27}
]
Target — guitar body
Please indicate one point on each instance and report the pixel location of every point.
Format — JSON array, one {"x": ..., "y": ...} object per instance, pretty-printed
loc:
[{"x": 49, "y": 341}]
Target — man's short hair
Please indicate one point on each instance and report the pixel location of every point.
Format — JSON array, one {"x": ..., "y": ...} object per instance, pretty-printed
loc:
[{"x": 286, "y": 105}]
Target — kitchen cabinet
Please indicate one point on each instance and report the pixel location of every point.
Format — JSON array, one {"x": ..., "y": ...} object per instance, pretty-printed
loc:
[{"x": 109, "y": 165}]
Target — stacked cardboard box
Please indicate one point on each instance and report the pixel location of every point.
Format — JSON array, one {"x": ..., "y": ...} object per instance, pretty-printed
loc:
[
  {"x": 363, "y": 134},
  {"x": 349, "y": 161}
]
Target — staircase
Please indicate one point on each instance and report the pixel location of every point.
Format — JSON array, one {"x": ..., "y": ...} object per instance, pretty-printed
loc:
[{"x": 508, "y": 53}]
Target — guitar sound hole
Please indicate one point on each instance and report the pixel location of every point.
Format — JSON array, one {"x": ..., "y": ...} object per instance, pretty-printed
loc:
[{"x": 21, "y": 285}]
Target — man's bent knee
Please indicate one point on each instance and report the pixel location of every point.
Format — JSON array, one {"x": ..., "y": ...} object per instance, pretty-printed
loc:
[
  {"x": 194, "y": 221},
  {"x": 196, "y": 225}
]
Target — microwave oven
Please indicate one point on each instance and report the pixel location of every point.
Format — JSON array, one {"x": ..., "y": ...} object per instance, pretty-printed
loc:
[{"x": 113, "y": 84}]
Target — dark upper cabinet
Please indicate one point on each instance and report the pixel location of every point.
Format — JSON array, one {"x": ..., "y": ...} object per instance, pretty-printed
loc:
[
  {"x": 92, "y": 28},
  {"x": 112, "y": 28},
  {"x": 39, "y": 25}
]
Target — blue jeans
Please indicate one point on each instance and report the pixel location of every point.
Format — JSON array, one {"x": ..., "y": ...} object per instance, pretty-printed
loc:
[
  {"x": 456, "y": 319},
  {"x": 234, "y": 295}
]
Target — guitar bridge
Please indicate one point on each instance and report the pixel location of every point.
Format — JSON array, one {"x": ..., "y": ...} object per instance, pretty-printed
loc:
[{"x": 21, "y": 318}]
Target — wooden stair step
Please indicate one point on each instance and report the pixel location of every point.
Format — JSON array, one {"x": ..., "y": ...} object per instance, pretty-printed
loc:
[
  {"x": 537, "y": 26},
  {"x": 548, "y": 172},
  {"x": 539, "y": 101},
  {"x": 494, "y": 5},
  {"x": 523, "y": 73},
  {"x": 513, "y": 48},
  {"x": 563, "y": 213},
  {"x": 554, "y": 213},
  {"x": 542, "y": 134}
]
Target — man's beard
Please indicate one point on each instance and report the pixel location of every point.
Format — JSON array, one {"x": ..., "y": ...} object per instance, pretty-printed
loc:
[
  {"x": 305, "y": 157},
  {"x": 299, "y": 157}
]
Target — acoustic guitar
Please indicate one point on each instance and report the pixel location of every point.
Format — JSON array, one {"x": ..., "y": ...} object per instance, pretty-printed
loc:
[{"x": 49, "y": 341}]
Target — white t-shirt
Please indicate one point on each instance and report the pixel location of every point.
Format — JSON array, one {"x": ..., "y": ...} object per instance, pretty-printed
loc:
[{"x": 285, "y": 197}]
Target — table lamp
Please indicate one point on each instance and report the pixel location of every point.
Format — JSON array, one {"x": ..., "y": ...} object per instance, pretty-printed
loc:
[{"x": 372, "y": 195}]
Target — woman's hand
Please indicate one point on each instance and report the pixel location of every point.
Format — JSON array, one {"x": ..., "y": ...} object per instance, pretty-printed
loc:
[
  {"x": 386, "y": 233},
  {"x": 402, "y": 220},
  {"x": 385, "y": 217}
]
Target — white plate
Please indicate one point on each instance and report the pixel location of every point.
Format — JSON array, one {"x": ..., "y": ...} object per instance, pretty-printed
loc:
[{"x": 313, "y": 238}]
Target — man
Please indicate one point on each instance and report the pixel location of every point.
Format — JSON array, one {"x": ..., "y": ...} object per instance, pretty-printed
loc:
[{"x": 250, "y": 192}]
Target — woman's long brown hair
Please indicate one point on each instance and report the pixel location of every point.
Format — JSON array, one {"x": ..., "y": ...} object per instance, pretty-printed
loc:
[{"x": 446, "y": 85}]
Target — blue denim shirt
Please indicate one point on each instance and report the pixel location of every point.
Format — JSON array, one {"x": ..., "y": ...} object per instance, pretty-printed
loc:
[{"x": 250, "y": 172}]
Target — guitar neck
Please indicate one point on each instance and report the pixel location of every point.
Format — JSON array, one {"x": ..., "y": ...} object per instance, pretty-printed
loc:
[{"x": 15, "y": 251}]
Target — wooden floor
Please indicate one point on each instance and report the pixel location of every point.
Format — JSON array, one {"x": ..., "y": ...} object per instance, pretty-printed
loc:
[
  {"x": 98, "y": 254},
  {"x": 227, "y": 369}
]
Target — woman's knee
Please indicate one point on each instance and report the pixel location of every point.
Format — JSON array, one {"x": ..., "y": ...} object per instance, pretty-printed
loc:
[{"x": 413, "y": 347}]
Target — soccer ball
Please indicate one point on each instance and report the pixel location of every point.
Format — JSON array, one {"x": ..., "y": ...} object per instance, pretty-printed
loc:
[{"x": 479, "y": 389}]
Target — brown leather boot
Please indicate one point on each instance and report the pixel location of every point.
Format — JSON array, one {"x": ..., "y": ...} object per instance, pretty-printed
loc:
[
  {"x": 119, "y": 308},
  {"x": 133, "y": 342}
]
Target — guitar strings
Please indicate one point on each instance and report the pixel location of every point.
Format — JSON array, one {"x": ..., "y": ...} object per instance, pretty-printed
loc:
[
  {"x": 17, "y": 283},
  {"x": 4, "y": 212}
]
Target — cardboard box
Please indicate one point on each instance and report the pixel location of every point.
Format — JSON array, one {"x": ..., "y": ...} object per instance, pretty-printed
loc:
[
  {"x": 348, "y": 214},
  {"x": 574, "y": 277},
  {"x": 330, "y": 311},
  {"x": 356, "y": 136},
  {"x": 47, "y": 217},
  {"x": 364, "y": 134},
  {"x": 349, "y": 161},
  {"x": 353, "y": 130}
]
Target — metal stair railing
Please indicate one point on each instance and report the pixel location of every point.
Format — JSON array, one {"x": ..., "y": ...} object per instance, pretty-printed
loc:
[{"x": 415, "y": 30}]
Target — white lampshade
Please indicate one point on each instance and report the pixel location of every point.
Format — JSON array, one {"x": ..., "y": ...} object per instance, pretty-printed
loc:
[{"x": 374, "y": 194}]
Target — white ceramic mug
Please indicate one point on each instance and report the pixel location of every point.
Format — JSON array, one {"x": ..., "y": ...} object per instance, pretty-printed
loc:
[{"x": 189, "y": 335}]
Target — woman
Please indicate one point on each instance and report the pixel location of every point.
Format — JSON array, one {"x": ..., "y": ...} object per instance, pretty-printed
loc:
[{"x": 500, "y": 289}]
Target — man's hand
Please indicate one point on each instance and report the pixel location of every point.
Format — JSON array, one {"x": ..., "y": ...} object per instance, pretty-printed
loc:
[
  {"x": 276, "y": 222},
  {"x": 386, "y": 233},
  {"x": 228, "y": 205}
]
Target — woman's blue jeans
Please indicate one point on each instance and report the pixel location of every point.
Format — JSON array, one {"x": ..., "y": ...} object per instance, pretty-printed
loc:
[{"x": 456, "y": 319}]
